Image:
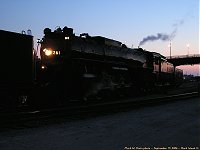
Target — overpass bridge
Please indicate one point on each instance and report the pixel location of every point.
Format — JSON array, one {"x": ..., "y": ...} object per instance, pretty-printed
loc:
[{"x": 184, "y": 59}]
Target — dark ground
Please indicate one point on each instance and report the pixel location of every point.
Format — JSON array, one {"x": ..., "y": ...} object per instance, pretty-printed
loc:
[{"x": 174, "y": 124}]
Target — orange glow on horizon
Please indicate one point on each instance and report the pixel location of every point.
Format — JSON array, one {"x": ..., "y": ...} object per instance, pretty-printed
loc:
[{"x": 190, "y": 69}]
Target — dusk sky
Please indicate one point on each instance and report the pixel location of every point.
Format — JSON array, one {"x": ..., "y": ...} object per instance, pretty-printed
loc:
[{"x": 128, "y": 21}]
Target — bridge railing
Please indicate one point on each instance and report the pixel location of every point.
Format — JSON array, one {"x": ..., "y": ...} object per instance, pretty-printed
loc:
[{"x": 183, "y": 56}]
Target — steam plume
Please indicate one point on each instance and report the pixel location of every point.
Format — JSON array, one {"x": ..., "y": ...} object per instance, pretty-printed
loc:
[{"x": 162, "y": 36}]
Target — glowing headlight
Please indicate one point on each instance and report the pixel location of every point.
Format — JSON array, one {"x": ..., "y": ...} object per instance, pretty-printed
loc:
[
  {"x": 47, "y": 52},
  {"x": 66, "y": 38},
  {"x": 43, "y": 67}
]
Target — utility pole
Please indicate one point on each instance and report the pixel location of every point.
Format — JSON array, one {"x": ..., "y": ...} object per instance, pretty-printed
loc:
[
  {"x": 188, "y": 47},
  {"x": 170, "y": 50}
]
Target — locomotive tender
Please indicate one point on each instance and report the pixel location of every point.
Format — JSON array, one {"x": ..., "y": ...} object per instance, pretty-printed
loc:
[{"x": 76, "y": 67}]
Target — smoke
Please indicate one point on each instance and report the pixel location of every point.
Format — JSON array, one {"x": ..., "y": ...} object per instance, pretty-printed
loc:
[
  {"x": 159, "y": 36},
  {"x": 163, "y": 36}
]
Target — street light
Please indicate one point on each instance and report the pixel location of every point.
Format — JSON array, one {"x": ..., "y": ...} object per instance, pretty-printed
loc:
[
  {"x": 188, "y": 46},
  {"x": 170, "y": 49}
]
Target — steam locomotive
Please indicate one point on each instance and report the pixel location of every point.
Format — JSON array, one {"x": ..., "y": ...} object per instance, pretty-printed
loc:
[
  {"x": 74, "y": 66},
  {"x": 83, "y": 65}
]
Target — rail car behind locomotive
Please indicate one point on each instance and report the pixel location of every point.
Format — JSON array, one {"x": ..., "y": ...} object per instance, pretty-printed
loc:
[
  {"x": 16, "y": 63},
  {"x": 82, "y": 65},
  {"x": 165, "y": 72}
]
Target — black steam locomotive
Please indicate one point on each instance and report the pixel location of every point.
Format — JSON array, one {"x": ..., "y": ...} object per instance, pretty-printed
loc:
[
  {"x": 83, "y": 65},
  {"x": 77, "y": 67}
]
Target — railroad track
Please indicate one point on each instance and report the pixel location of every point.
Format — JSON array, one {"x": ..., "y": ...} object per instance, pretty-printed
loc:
[{"x": 89, "y": 108}]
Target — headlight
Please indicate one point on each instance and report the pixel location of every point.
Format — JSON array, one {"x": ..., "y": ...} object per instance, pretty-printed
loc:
[
  {"x": 43, "y": 67},
  {"x": 47, "y": 52}
]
